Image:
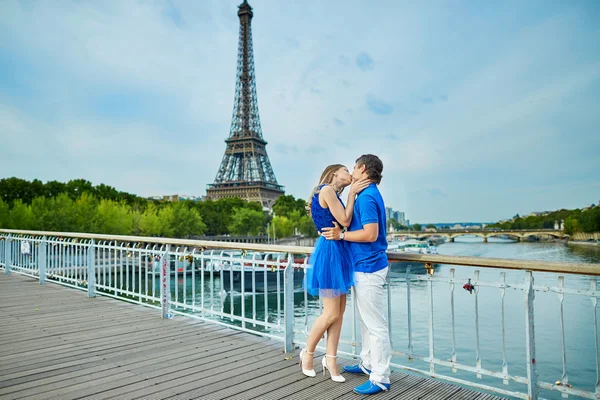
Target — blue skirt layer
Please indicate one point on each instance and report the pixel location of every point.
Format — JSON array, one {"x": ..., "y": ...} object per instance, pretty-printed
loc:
[{"x": 330, "y": 269}]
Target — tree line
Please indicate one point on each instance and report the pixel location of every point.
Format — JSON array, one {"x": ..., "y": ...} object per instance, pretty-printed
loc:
[
  {"x": 578, "y": 220},
  {"x": 79, "y": 206}
]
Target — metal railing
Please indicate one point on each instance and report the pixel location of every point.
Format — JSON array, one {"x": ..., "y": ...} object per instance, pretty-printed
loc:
[{"x": 258, "y": 288}]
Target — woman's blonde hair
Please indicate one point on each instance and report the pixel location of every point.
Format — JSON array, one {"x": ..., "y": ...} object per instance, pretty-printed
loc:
[{"x": 326, "y": 178}]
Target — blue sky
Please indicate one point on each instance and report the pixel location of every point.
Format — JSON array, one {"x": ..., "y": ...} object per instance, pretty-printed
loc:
[{"x": 479, "y": 110}]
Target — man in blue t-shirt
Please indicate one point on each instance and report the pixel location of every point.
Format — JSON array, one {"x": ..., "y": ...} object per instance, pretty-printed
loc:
[{"x": 368, "y": 246}]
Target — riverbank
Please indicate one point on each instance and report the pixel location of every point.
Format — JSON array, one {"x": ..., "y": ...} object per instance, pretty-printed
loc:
[{"x": 582, "y": 243}]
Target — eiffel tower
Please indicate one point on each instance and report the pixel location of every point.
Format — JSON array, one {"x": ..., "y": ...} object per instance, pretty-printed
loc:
[{"x": 245, "y": 170}]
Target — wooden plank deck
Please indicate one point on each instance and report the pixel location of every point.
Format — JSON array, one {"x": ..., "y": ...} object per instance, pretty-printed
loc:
[{"x": 55, "y": 343}]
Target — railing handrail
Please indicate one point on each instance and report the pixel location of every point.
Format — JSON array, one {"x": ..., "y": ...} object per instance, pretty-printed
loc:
[
  {"x": 495, "y": 263},
  {"x": 474, "y": 230},
  {"x": 502, "y": 263}
]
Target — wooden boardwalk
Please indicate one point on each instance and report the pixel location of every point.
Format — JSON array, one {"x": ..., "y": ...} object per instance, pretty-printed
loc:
[{"x": 55, "y": 343}]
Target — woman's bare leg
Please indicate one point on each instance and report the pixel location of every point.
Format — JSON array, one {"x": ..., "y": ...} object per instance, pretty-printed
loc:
[
  {"x": 333, "y": 337},
  {"x": 330, "y": 315}
]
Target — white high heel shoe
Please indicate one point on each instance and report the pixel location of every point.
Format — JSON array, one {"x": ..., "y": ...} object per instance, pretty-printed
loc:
[
  {"x": 308, "y": 372},
  {"x": 335, "y": 378}
]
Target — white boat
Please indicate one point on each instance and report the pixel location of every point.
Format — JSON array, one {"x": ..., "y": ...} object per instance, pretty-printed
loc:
[{"x": 412, "y": 246}]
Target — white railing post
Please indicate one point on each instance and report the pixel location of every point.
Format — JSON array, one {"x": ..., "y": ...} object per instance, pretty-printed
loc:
[
  {"x": 7, "y": 254},
  {"x": 532, "y": 374},
  {"x": 288, "y": 305},
  {"x": 42, "y": 259},
  {"x": 165, "y": 283},
  {"x": 2, "y": 250},
  {"x": 91, "y": 270}
]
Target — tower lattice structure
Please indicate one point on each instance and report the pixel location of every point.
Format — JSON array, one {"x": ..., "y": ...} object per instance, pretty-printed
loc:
[{"x": 245, "y": 170}]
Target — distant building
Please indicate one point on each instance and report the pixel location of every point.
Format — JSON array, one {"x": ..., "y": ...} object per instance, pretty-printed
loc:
[
  {"x": 175, "y": 198},
  {"x": 398, "y": 216}
]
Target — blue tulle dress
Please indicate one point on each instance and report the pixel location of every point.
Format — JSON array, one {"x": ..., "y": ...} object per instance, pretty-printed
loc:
[{"x": 330, "y": 268}]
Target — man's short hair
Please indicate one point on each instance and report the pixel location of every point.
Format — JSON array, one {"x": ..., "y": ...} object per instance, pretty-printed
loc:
[{"x": 374, "y": 166}]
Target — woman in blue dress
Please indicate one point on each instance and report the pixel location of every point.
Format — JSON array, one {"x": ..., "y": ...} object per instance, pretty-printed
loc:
[{"x": 330, "y": 271}]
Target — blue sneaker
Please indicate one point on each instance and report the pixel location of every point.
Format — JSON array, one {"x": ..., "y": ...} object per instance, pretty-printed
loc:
[
  {"x": 371, "y": 387},
  {"x": 357, "y": 369}
]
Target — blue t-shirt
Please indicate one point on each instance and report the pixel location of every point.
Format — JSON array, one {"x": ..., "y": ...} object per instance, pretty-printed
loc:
[{"x": 369, "y": 208}]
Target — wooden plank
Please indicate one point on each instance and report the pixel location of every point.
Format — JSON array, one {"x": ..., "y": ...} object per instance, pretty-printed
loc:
[
  {"x": 400, "y": 383},
  {"x": 141, "y": 361},
  {"x": 126, "y": 347},
  {"x": 75, "y": 347},
  {"x": 150, "y": 341},
  {"x": 465, "y": 394},
  {"x": 105, "y": 342}
]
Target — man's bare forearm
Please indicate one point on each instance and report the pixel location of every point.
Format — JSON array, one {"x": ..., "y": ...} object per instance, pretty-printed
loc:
[{"x": 360, "y": 236}]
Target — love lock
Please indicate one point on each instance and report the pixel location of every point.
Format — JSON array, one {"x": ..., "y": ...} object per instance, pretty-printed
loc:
[{"x": 469, "y": 287}]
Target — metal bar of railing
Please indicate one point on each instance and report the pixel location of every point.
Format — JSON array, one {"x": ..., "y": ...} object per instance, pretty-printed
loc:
[
  {"x": 532, "y": 374},
  {"x": 409, "y": 311},
  {"x": 476, "y": 305},
  {"x": 431, "y": 336},
  {"x": 278, "y": 283},
  {"x": 593, "y": 287},
  {"x": 165, "y": 283},
  {"x": 452, "y": 317},
  {"x": 42, "y": 259},
  {"x": 288, "y": 313},
  {"x": 92, "y": 270},
  {"x": 254, "y": 288},
  {"x": 564, "y": 379},
  {"x": 502, "y": 326}
]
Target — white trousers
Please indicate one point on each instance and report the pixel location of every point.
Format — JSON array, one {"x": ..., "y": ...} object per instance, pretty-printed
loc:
[{"x": 371, "y": 303}]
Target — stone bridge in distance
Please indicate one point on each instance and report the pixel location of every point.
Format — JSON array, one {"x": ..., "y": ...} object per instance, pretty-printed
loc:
[{"x": 451, "y": 234}]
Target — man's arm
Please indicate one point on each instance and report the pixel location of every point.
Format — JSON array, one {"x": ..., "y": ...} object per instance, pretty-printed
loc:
[{"x": 368, "y": 233}]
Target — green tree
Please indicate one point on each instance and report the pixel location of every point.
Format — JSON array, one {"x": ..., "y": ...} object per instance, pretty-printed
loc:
[
  {"x": 307, "y": 227},
  {"x": 20, "y": 216},
  {"x": 217, "y": 214},
  {"x": 13, "y": 188},
  {"x": 150, "y": 224},
  {"x": 43, "y": 218},
  {"x": 76, "y": 187},
  {"x": 285, "y": 205},
  {"x": 54, "y": 188},
  {"x": 431, "y": 226},
  {"x": 281, "y": 227},
  {"x": 85, "y": 209},
  {"x": 186, "y": 221},
  {"x": 571, "y": 226},
  {"x": 589, "y": 220},
  {"x": 166, "y": 218},
  {"x": 245, "y": 221},
  {"x": 4, "y": 214},
  {"x": 113, "y": 218},
  {"x": 417, "y": 227},
  {"x": 395, "y": 224},
  {"x": 302, "y": 223},
  {"x": 62, "y": 208}
]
